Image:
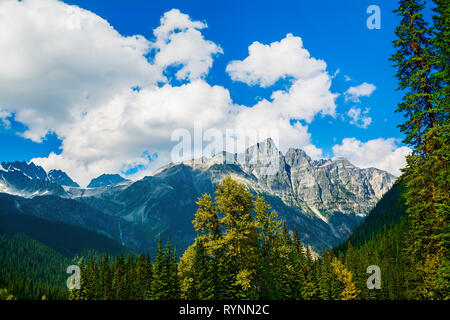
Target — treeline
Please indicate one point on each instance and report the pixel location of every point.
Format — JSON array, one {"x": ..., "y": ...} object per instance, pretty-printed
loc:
[
  {"x": 131, "y": 278},
  {"x": 380, "y": 240},
  {"x": 31, "y": 270},
  {"x": 384, "y": 249},
  {"x": 34, "y": 252}
]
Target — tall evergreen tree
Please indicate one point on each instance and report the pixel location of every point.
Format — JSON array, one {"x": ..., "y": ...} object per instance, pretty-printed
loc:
[
  {"x": 80, "y": 294},
  {"x": 441, "y": 162},
  {"x": 106, "y": 279},
  {"x": 159, "y": 274},
  {"x": 204, "y": 286},
  {"x": 268, "y": 227},
  {"x": 239, "y": 242}
]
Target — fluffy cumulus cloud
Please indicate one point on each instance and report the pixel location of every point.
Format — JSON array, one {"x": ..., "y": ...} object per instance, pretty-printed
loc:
[
  {"x": 62, "y": 61},
  {"x": 380, "y": 153},
  {"x": 71, "y": 73},
  {"x": 266, "y": 64},
  {"x": 111, "y": 101},
  {"x": 363, "y": 90},
  {"x": 303, "y": 101},
  {"x": 309, "y": 93},
  {"x": 359, "y": 118},
  {"x": 180, "y": 43},
  {"x": 114, "y": 136}
]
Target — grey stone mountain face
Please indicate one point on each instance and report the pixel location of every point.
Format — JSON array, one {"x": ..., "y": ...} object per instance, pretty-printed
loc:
[
  {"x": 319, "y": 187},
  {"x": 27, "y": 180},
  {"x": 324, "y": 199},
  {"x": 61, "y": 178}
]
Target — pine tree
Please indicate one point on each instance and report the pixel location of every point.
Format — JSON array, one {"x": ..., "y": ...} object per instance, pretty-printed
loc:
[
  {"x": 240, "y": 237},
  {"x": 173, "y": 280},
  {"x": 414, "y": 62},
  {"x": 268, "y": 227},
  {"x": 186, "y": 273},
  {"x": 309, "y": 287},
  {"x": 142, "y": 277},
  {"x": 148, "y": 276},
  {"x": 203, "y": 284},
  {"x": 106, "y": 279},
  {"x": 350, "y": 292},
  {"x": 118, "y": 283},
  {"x": 325, "y": 276},
  {"x": 90, "y": 283},
  {"x": 80, "y": 294},
  {"x": 160, "y": 273},
  {"x": 299, "y": 265},
  {"x": 206, "y": 220},
  {"x": 440, "y": 161}
]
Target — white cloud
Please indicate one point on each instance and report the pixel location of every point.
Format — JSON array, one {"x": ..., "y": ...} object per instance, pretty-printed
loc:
[
  {"x": 308, "y": 95},
  {"x": 74, "y": 79},
  {"x": 133, "y": 122},
  {"x": 3, "y": 118},
  {"x": 77, "y": 83},
  {"x": 266, "y": 64},
  {"x": 359, "y": 118},
  {"x": 180, "y": 43},
  {"x": 384, "y": 154},
  {"x": 57, "y": 69},
  {"x": 363, "y": 90},
  {"x": 347, "y": 78}
]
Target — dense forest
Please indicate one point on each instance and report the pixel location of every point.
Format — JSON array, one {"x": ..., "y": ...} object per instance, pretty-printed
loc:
[
  {"x": 35, "y": 253},
  {"x": 243, "y": 251}
]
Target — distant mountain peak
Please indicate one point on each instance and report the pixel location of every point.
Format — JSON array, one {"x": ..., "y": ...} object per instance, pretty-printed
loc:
[
  {"x": 266, "y": 147},
  {"x": 27, "y": 180},
  {"x": 30, "y": 170},
  {"x": 106, "y": 180},
  {"x": 296, "y": 157},
  {"x": 61, "y": 178}
]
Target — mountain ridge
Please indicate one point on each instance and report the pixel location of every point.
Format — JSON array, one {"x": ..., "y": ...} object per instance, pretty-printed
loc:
[
  {"x": 325, "y": 199},
  {"x": 105, "y": 180}
]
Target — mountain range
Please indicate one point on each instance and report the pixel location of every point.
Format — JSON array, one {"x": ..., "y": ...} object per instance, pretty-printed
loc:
[{"x": 325, "y": 199}]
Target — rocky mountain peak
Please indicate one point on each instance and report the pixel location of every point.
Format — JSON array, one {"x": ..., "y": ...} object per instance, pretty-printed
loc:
[
  {"x": 30, "y": 170},
  {"x": 342, "y": 161},
  {"x": 325, "y": 199},
  {"x": 61, "y": 178},
  {"x": 106, "y": 180},
  {"x": 265, "y": 147},
  {"x": 296, "y": 157}
]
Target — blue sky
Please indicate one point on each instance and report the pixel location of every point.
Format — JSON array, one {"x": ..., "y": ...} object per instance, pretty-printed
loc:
[{"x": 333, "y": 31}]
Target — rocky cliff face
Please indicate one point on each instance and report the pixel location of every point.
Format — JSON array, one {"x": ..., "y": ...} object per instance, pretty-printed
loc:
[
  {"x": 61, "y": 178},
  {"x": 27, "y": 180},
  {"x": 318, "y": 187}
]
